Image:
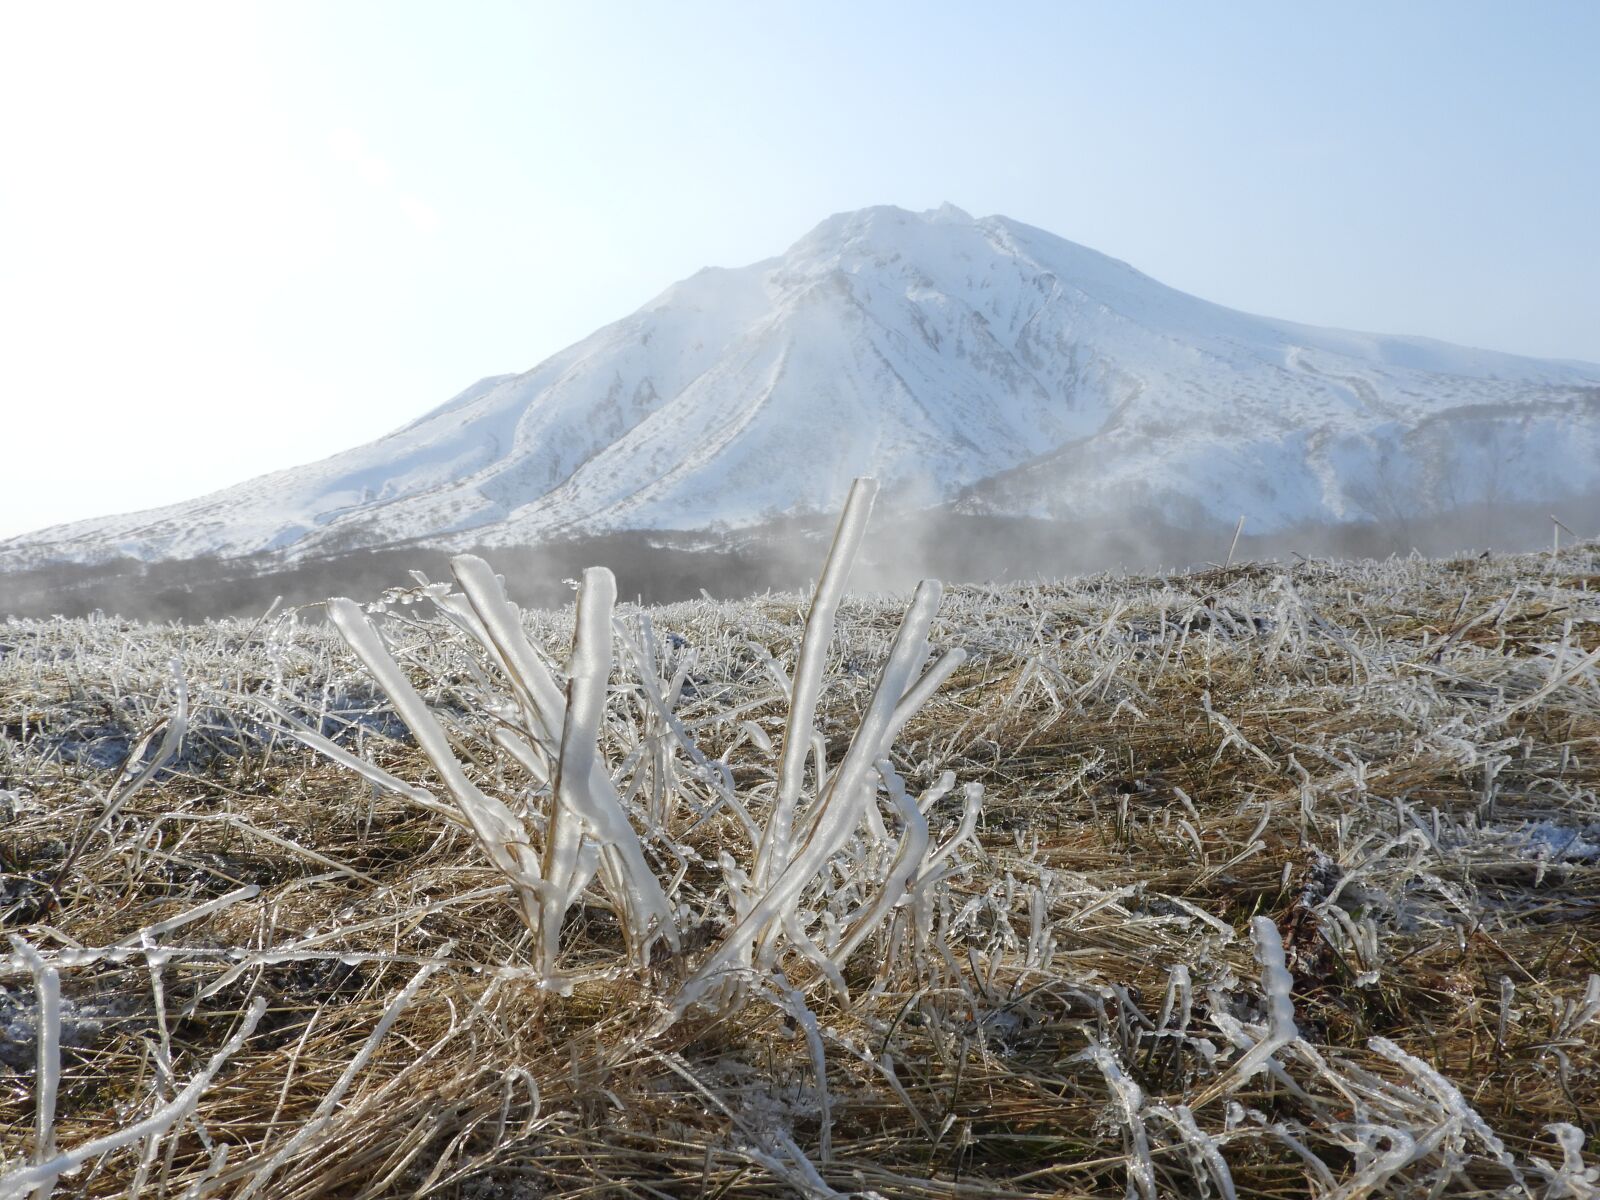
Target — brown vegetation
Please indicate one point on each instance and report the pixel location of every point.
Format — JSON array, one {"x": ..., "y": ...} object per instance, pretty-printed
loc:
[{"x": 1395, "y": 762}]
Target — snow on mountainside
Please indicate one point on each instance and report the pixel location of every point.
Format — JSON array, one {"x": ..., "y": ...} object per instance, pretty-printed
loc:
[{"x": 979, "y": 363}]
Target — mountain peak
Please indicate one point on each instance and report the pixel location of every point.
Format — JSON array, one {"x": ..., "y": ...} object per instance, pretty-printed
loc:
[{"x": 880, "y": 223}]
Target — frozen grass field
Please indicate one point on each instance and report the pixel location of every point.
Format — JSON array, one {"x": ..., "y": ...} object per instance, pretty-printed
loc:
[{"x": 1285, "y": 881}]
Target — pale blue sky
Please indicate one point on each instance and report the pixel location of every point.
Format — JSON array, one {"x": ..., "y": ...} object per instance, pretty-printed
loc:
[{"x": 238, "y": 237}]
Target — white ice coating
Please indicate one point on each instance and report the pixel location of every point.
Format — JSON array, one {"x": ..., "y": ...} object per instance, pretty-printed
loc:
[
  {"x": 21, "y": 1182},
  {"x": 47, "y": 1079},
  {"x": 1130, "y": 1098},
  {"x": 835, "y": 815},
  {"x": 498, "y": 830},
  {"x": 589, "y": 793},
  {"x": 836, "y": 874},
  {"x": 1450, "y": 1099},
  {"x": 908, "y": 861},
  {"x": 1277, "y": 986},
  {"x": 1574, "y": 1179},
  {"x": 545, "y": 885},
  {"x": 799, "y": 729}
]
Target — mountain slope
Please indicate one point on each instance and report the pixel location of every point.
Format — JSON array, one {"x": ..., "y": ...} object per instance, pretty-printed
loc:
[{"x": 979, "y": 363}]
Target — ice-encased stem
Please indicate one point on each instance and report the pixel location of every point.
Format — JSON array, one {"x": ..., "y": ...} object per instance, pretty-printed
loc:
[
  {"x": 47, "y": 1041},
  {"x": 843, "y": 799},
  {"x": 536, "y": 690},
  {"x": 587, "y": 675},
  {"x": 839, "y": 810},
  {"x": 807, "y": 686},
  {"x": 498, "y": 831},
  {"x": 1130, "y": 1096},
  {"x": 907, "y": 863},
  {"x": 1277, "y": 986},
  {"x": 589, "y": 792},
  {"x": 19, "y": 1183}
]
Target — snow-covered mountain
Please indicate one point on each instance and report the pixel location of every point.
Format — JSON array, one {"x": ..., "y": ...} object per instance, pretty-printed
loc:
[{"x": 981, "y": 364}]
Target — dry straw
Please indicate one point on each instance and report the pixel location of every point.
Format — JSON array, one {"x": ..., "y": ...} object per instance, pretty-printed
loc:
[{"x": 1262, "y": 881}]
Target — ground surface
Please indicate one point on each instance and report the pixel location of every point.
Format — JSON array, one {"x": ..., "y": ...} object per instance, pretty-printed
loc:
[{"x": 1395, "y": 762}]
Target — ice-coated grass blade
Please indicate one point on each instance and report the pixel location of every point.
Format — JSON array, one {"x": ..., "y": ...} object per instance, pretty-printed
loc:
[
  {"x": 843, "y": 799},
  {"x": 808, "y": 673},
  {"x": 498, "y": 831},
  {"x": 370, "y": 771},
  {"x": 1276, "y": 985},
  {"x": 504, "y": 638},
  {"x": 19, "y": 1183},
  {"x": 585, "y": 792},
  {"x": 908, "y": 861},
  {"x": 47, "y": 1080},
  {"x": 837, "y": 813}
]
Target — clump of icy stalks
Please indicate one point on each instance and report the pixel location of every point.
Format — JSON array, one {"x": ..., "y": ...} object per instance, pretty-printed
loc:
[{"x": 825, "y": 867}]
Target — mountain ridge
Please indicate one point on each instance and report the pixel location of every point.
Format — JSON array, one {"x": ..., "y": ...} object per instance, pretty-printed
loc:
[{"x": 981, "y": 364}]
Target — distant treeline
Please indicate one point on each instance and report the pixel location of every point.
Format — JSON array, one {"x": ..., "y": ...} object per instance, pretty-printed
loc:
[{"x": 656, "y": 568}]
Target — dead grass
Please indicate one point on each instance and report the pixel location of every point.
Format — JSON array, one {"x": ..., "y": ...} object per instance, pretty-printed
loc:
[{"x": 1396, "y": 762}]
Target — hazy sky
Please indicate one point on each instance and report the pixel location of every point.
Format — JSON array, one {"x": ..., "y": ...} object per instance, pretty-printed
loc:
[{"x": 238, "y": 237}]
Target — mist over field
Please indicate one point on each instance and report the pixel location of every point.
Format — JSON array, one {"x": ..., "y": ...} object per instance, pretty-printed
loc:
[{"x": 663, "y": 568}]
